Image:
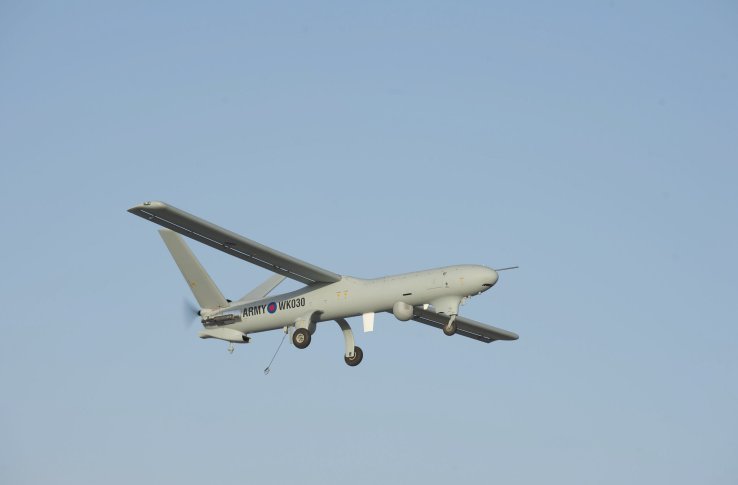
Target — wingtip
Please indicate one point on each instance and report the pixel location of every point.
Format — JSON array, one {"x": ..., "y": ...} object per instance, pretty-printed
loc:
[
  {"x": 148, "y": 205},
  {"x": 511, "y": 335}
]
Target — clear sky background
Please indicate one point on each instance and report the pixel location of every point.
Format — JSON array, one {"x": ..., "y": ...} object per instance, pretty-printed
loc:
[{"x": 593, "y": 144}]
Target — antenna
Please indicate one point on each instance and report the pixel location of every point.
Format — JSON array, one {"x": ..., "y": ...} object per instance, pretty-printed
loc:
[{"x": 269, "y": 367}]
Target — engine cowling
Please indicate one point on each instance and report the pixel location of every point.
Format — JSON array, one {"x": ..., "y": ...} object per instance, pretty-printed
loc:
[{"x": 402, "y": 311}]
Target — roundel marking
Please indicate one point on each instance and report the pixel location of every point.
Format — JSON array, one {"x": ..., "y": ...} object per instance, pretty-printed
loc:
[{"x": 272, "y": 307}]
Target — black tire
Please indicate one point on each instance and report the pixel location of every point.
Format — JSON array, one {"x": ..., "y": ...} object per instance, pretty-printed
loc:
[
  {"x": 356, "y": 360},
  {"x": 450, "y": 328},
  {"x": 301, "y": 338}
]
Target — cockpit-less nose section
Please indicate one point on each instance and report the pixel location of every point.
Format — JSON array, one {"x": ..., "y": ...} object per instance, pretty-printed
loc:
[{"x": 431, "y": 297}]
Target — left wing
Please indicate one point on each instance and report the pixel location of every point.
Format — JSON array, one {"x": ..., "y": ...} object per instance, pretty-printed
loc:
[
  {"x": 464, "y": 326},
  {"x": 234, "y": 244}
]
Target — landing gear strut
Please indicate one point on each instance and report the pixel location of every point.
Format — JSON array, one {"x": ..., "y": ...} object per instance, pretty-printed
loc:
[
  {"x": 301, "y": 338},
  {"x": 352, "y": 354},
  {"x": 450, "y": 328}
]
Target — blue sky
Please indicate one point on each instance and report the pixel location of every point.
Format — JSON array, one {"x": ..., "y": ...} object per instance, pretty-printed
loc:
[{"x": 594, "y": 145}]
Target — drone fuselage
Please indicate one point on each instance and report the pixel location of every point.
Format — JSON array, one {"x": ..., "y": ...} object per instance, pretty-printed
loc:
[{"x": 443, "y": 288}]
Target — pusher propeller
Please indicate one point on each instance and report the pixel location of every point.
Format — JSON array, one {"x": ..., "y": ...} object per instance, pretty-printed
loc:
[{"x": 190, "y": 312}]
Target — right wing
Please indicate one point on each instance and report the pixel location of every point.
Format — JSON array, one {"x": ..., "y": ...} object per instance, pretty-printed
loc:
[
  {"x": 229, "y": 242},
  {"x": 464, "y": 326}
]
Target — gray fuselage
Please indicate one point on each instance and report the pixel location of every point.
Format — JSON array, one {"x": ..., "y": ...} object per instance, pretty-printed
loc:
[{"x": 444, "y": 288}]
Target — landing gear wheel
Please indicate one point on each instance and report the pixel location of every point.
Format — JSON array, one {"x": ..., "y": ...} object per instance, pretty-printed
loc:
[
  {"x": 301, "y": 338},
  {"x": 356, "y": 359},
  {"x": 450, "y": 328}
]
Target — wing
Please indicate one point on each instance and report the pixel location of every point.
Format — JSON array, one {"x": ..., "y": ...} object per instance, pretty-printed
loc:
[
  {"x": 464, "y": 326},
  {"x": 229, "y": 242}
]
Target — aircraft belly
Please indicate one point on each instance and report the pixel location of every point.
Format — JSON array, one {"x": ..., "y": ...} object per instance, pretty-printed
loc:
[{"x": 263, "y": 323}]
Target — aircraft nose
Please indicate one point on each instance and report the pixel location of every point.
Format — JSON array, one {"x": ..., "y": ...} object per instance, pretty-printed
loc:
[{"x": 489, "y": 278}]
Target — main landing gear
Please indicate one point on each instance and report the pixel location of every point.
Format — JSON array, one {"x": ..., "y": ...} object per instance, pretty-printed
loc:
[
  {"x": 353, "y": 355},
  {"x": 301, "y": 338}
]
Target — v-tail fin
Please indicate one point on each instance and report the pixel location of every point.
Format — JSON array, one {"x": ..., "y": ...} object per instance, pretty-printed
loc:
[
  {"x": 206, "y": 293},
  {"x": 263, "y": 289}
]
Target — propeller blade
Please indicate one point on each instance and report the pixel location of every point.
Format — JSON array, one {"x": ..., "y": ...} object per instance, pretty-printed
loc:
[{"x": 190, "y": 312}]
